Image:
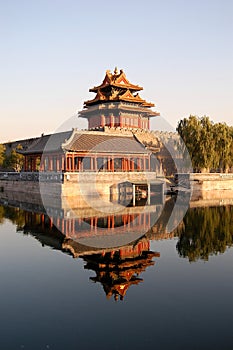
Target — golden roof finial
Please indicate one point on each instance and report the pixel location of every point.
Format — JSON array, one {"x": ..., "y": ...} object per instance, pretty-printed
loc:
[{"x": 116, "y": 71}]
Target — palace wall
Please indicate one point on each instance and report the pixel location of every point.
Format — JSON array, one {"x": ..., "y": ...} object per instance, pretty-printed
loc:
[
  {"x": 211, "y": 186},
  {"x": 77, "y": 189}
]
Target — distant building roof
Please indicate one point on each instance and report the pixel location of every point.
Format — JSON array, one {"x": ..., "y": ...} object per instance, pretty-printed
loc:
[
  {"x": 86, "y": 141},
  {"x": 100, "y": 142},
  {"x": 48, "y": 143}
]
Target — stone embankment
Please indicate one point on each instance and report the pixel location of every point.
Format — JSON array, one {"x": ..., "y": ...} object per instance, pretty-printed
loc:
[{"x": 211, "y": 186}]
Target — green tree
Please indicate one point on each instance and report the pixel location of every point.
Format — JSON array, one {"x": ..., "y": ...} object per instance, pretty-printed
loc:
[
  {"x": 2, "y": 154},
  {"x": 15, "y": 160},
  {"x": 223, "y": 146},
  {"x": 189, "y": 130},
  {"x": 209, "y": 145},
  {"x": 198, "y": 138}
]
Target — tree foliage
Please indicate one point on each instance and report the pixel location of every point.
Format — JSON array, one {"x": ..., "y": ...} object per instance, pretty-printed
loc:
[
  {"x": 205, "y": 232},
  {"x": 14, "y": 161},
  {"x": 2, "y": 154},
  {"x": 209, "y": 145}
]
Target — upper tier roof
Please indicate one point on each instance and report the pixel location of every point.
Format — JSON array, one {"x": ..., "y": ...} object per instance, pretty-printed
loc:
[
  {"x": 116, "y": 79},
  {"x": 116, "y": 87}
]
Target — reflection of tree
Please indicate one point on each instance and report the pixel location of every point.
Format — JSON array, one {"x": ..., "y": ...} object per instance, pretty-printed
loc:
[
  {"x": 2, "y": 214},
  {"x": 204, "y": 232},
  {"x": 15, "y": 215}
]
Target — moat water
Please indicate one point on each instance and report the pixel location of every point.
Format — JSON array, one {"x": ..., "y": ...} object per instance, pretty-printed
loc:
[{"x": 163, "y": 291}]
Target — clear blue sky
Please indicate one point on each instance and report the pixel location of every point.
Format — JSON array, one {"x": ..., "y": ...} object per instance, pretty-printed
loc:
[{"x": 52, "y": 52}]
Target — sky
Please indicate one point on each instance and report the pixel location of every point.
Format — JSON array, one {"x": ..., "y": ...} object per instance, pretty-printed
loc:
[{"x": 53, "y": 51}]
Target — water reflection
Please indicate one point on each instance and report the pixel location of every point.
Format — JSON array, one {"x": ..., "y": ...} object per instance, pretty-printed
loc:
[
  {"x": 119, "y": 259},
  {"x": 118, "y": 270},
  {"x": 204, "y": 232},
  {"x": 117, "y": 267}
]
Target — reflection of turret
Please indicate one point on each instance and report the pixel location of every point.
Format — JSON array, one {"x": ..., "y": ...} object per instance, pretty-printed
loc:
[
  {"x": 118, "y": 270},
  {"x": 113, "y": 246}
]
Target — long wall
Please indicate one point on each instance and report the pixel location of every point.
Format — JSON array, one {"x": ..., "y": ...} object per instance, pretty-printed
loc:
[
  {"x": 211, "y": 186},
  {"x": 79, "y": 189}
]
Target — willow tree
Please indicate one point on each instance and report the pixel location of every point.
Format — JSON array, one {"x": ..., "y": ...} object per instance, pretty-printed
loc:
[
  {"x": 223, "y": 147},
  {"x": 2, "y": 154},
  {"x": 189, "y": 130},
  {"x": 206, "y": 144},
  {"x": 197, "y": 134},
  {"x": 210, "y": 145}
]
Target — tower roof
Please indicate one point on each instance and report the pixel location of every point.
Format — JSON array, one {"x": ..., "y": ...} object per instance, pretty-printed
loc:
[
  {"x": 117, "y": 88},
  {"x": 116, "y": 79}
]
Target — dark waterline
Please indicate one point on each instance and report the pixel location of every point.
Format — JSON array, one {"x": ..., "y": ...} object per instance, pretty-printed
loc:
[{"x": 181, "y": 297}]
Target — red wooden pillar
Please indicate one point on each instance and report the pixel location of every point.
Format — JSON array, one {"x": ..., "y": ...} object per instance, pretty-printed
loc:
[
  {"x": 126, "y": 164},
  {"x": 72, "y": 162},
  {"x": 121, "y": 121},
  {"x": 50, "y": 163},
  {"x": 35, "y": 161},
  {"x": 111, "y": 120},
  {"x": 139, "y": 164},
  {"x": 132, "y": 164},
  {"x": 25, "y": 163},
  {"x": 58, "y": 163},
  {"x": 79, "y": 164},
  {"x": 32, "y": 163},
  {"x": 102, "y": 123},
  {"x": 62, "y": 162},
  {"x": 92, "y": 163},
  {"x": 63, "y": 225},
  {"x": 139, "y": 122}
]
